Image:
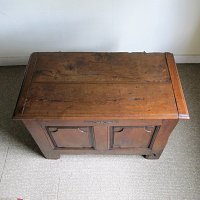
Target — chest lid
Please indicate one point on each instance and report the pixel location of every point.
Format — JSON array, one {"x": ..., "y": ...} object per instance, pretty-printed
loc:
[{"x": 98, "y": 85}]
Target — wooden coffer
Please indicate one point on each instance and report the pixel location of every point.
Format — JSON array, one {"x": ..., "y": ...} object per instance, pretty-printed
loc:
[{"x": 101, "y": 103}]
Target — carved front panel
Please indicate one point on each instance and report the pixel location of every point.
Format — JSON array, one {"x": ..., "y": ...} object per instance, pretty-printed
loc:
[
  {"x": 71, "y": 137},
  {"x": 131, "y": 137}
]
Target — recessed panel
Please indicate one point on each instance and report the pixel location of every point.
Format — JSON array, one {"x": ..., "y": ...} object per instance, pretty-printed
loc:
[
  {"x": 131, "y": 137},
  {"x": 71, "y": 137}
]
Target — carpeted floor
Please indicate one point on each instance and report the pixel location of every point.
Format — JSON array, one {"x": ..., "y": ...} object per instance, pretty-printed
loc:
[{"x": 25, "y": 173}]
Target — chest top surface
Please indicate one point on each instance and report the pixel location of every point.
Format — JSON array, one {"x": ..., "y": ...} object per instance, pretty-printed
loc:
[{"x": 101, "y": 86}]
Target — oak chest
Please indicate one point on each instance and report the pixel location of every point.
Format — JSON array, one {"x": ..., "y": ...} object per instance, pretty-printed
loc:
[{"x": 101, "y": 103}]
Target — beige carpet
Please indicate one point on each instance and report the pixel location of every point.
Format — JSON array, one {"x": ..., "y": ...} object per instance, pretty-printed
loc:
[{"x": 25, "y": 173}]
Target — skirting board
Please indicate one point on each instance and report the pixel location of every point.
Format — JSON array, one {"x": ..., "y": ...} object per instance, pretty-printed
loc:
[
  {"x": 11, "y": 61},
  {"x": 187, "y": 59},
  {"x": 23, "y": 60}
]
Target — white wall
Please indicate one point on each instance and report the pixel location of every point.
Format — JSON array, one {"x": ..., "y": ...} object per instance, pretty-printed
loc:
[{"x": 98, "y": 25}]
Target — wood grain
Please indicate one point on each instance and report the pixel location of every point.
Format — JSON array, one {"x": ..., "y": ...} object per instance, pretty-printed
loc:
[
  {"x": 177, "y": 88},
  {"x": 134, "y": 101},
  {"x": 49, "y": 90},
  {"x": 101, "y": 67}
]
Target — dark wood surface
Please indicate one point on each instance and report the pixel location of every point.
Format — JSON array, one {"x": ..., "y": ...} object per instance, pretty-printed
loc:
[
  {"x": 109, "y": 103},
  {"x": 101, "y": 85}
]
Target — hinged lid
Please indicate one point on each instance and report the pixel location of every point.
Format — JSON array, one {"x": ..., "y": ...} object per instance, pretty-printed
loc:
[{"x": 99, "y": 85}]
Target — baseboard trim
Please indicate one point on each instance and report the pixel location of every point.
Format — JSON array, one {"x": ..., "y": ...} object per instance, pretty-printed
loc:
[
  {"x": 23, "y": 60},
  {"x": 17, "y": 60},
  {"x": 187, "y": 59}
]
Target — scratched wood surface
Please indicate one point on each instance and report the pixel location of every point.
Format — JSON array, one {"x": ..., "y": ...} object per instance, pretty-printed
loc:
[
  {"x": 97, "y": 85},
  {"x": 101, "y": 68}
]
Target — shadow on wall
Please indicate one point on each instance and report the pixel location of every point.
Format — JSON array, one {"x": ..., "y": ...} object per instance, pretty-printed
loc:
[
  {"x": 60, "y": 35},
  {"x": 194, "y": 44},
  {"x": 12, "y": 132}
]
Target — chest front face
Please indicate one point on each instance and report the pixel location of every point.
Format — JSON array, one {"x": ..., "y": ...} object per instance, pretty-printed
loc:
[{"x": 97, "y": 102}]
